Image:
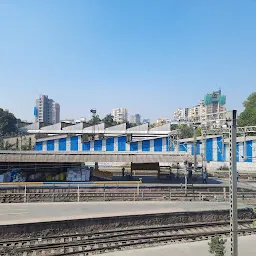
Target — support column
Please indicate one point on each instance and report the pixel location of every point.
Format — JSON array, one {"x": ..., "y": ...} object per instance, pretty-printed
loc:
[
  {"x": 244, "y": 149},
  {"x": 96, "y": 166},
  {"x": 195, "y": 142},
  {"x": 233, "y": 186}
]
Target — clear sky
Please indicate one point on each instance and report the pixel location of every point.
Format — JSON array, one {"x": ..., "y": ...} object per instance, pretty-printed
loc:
[{"x": 151, "y": 56}]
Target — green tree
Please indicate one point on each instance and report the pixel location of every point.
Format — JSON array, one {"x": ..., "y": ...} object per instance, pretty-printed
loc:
[
  {"x": 174, "y": 126},
  {"x": 8, "y": 123},
  {"x": 217, "y": 246},
  {"x": 95, "y": 120},
  {"x": 198, "y": 131},
  {"x": 130, "y": 125},
  {"x": 151, "y": 125},
  {"x": 248, "y": 116},
  {"x": 108, "y": 120},
  {"x": 186, "y": 131}
]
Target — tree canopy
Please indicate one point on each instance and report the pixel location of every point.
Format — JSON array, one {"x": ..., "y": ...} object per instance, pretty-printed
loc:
[
  {"x": 248, "y": 116},
  {"x": 95, "y": 120},
  {"x": 186, "y": 131},
  {"x": 8, "y": 123},
  {"x": 108, "y": 120}
]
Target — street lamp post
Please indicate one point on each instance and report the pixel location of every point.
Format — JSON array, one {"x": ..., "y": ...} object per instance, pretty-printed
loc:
[{"x": 94, "y": 111}]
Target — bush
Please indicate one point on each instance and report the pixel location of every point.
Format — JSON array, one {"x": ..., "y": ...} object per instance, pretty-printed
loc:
[{"x": 217, "y": 246}]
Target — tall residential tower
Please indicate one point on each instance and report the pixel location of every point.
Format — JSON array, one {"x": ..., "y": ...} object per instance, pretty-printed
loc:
[
  {"x": 120, "y": 114},
  {"x": 46, "y": 110}
]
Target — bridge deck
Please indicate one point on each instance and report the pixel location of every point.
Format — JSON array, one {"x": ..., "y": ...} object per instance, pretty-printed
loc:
[{"x": 93, "y": 156}]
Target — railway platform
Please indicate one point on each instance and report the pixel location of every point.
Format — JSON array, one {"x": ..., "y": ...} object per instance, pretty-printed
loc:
[{"x": 21, "y": 213}]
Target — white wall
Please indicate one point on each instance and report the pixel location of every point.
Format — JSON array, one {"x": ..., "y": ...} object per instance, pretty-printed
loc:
[{"x": 241, "y": 166}]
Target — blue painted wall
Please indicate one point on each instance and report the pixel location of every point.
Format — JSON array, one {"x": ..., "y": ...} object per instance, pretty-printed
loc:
[
  {"x": 167, "y": 144},
  {"x": 86, "y": 146},
  {"x": 209, "y": 149},
  {"x": 146, "y": 145},
  {"x": 50, "y": 145},
  {"x": 39, "y": 146},
  {"x": 122, "y": 143},
  {"x": 98, "y": 145},
  {"x": 183, "y": 147},
  {"x": 220, "y": 145},
  {"x": 63, "y": 144},
  {"x": 74, "y": 143},
  {"x": 248, "y": 151},
  {"x": 197, "y": 148},
  {"x": 237, "y": 152},
  {"x": 219, "y": 149},
  {"x": 110, "y": 144},
  {"x": 134, "y": 146},
  {"x": 158, "y": 143}
]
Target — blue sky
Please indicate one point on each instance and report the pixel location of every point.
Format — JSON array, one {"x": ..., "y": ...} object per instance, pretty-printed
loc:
[{"x": 151, "y": 56}]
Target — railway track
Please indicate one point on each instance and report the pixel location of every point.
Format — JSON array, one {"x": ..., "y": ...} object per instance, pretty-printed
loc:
[
  {"x": 117, "y": 196},
  {"x": 99, "y": 242}
]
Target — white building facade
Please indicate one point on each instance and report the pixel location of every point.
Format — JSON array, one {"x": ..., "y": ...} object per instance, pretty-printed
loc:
[
  {"x": 46, "y": 110},
  {"x": 181, "y": 114},
  {"x": 120, "y": 114}
]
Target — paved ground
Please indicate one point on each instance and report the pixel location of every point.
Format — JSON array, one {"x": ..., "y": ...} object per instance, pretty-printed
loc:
[
  {"x": 246, "y": 247},
  {"x": 38, "y": 212}
]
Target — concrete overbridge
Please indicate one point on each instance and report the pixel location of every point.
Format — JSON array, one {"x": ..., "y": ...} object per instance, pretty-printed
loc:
[{"x": 76, "y": 157}]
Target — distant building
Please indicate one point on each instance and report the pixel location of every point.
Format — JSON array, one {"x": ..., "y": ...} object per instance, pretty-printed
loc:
[
  {"x": 120, "y": 114},
  {"x": 208, "y": 112},
  {"x": 162, "y": 121},
  {"x": 135, "y": 119},
  {"x": 181, "y": 114},
  {"x": 146, "y": 121},
  {"x": 197, "y": 113},
  {"x": 46, "y": 110},
  {"x": 74, "y": 121},
  {"x": 215, "y": 104}
]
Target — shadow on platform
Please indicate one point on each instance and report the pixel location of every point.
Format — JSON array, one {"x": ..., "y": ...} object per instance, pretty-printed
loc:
[{"x": 173, "y": 180}]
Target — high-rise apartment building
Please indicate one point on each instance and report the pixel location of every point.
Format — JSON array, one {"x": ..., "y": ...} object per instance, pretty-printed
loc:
[
  {"x": 120, "y": 114},
  {"x": 135, "y": 119},
  {"x": 197, "y": 113},
  {"x": 46, "y": 110},
  {"x": 215, "y": 104},
  {"x": 208, "y": 112}
]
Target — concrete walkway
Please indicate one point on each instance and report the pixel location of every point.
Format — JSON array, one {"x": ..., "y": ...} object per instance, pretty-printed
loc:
[
  {"x": 246, "y": 248},
  {"x": 39, "y": 212}
]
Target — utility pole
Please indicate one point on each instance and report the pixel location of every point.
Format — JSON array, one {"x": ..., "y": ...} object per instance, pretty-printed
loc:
[
  {"x": 233, "y": 183},
  {"x": 195, "y": 142}
]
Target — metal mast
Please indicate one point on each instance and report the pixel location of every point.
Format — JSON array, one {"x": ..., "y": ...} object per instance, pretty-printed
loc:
[{"x": 233, "y": 184}]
